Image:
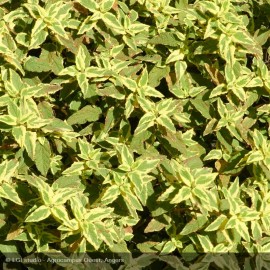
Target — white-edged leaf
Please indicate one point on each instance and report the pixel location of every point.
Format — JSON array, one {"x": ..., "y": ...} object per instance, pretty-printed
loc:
[
  {"x": 91, "y": 234},
  {"x": 205, "y": 243},
  {"x": 75, "y": 169},
  {"x": 110, "y": 195},
  {"x": 39, "y": 214},
  {"x": 145, "y": 122},
  {"x": 113, "y": 22},
  {"x": 168, "y": 248},
  {"x": 166, "y": 122},
  {"x": 98, "y": 214},
  {"x": 215, "y": 225},
  {"x": 8, "y": 191},
  {"x": 82, "y": 58},
  {"x": 183, "y": 194},
  {"x": 213, "y": 154}
]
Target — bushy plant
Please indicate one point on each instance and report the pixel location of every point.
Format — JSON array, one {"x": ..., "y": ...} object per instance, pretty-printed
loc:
[{"x": 135, "y": 126}]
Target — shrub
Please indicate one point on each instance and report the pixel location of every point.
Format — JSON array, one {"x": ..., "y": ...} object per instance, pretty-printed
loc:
[{"x": 135, "y": 126}]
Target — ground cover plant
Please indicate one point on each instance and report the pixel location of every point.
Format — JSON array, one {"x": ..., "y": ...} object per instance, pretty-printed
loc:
[{"x": 135, "y": 126}]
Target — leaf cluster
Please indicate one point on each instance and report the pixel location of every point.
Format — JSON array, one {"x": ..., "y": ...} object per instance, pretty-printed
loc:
[{"x": 135, "y": 126}]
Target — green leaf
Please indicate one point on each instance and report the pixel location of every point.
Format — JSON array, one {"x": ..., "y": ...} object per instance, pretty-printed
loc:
[
  {"x": 137, "y": 180},
  {"x": 57, "y": 27},
  {"x": 210, "y": 6},
  {"x": 77, "y": 207},
  {"x": 243, "y": 37},
  {"x": 240, "y": 93},
  {"x": 152, "y": 92},
  {"x": 205, "y": 179},
  {"x": 9, "y": 120},
  {"x": 43, "y": 188},
  {"x": 219, "y": 90},
  {"x": 166, "y": 122},
  {"x": 82, "y": 58},
  {"x": 89, "y": 4},
  {"x": 8, "y": 191},
  {"x": 131, "y": 200},
  {"x": 202, "y": 107},
  {"x": 180, "y": 69},
  {"x": 143, "y": 81},
  {"x": 83, "y": 82},
  {"x": 215, "y": 225},
  {"x": 9, "y": 249},
  {"x": 169, "y": 247},
  {"x": 200, "y": 194},
  {"x": 86, "y": 114},
  {"x": 255, "y": 157},
  {"x": 30, "y": 143},
  {"x": 234, "y": 188},
  {"x": 243, "y": 230},
  {"x": 183, "y": 194},
  {"x": 75, "y": 169},
  {"x": 39, "y": 214},
  {"x": 49, "y": 60},
  {"x": 107, "y": 5},
  {"x": 175, "y": 56},
  {"x": 71, "y": 71},
  {"x": 256, "y": 230},
  {"x": 214, "y": 154},
  {"x": 113, "y": 22},
  {"x": 165, "y": 38},
  {"x": 33, "y": 63},
  {"x": 166, "y": 106},
  {"x": 43, "y": 157},
  {"x": 205, "y": 243},
  {"x": 110, "y": 195},
  {"x": 194, "y": 225},
  {"x": 98, "y": 214},
  {"x": 129, "y": 83},
  {"x": 154, "y": 226},
  {"x": 145, "y": 122},
  {"x": 105, "y": 233},
  {"x": 126, "y": 155},
  {"x": 63, "y": 194},
  {"x": 8, "y": 169},
  {"x": 255, "y": 82},
  {"x": 145, "y": 166},
  {"x": 39, "y": 34},
  {"x": 185, "y": 175},
  {"x": 91, "y": 235},
  {"x": 60, "y": 213},
  {"x": 146, "y": 104},
  {"x": 19, "y": 134}
]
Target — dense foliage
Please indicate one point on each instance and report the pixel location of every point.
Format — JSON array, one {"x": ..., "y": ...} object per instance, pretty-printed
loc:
[{"x": 135, "y": 126}]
